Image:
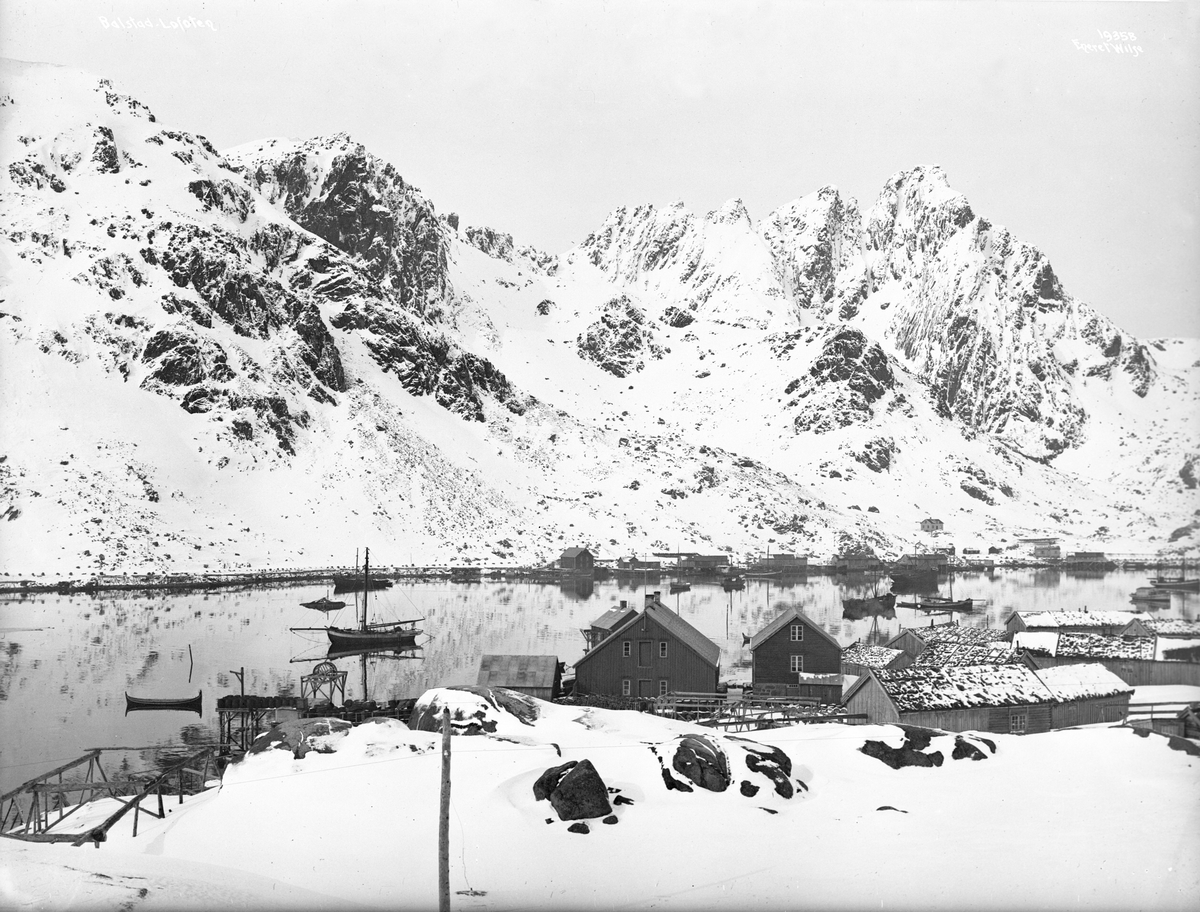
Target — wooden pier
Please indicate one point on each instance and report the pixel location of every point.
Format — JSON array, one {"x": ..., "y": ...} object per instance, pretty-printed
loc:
[{"x": 35, "y": 810}]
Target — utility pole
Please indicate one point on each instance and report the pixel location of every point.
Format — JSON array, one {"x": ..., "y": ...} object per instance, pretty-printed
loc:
[{"x": 444, "y": 820}]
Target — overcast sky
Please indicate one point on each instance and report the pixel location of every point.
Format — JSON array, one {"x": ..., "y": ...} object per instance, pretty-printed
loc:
[{"x": 538, "y": 118}]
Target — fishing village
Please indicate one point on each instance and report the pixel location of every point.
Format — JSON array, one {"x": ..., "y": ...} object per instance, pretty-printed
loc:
[{"x": 951, "y": 664}]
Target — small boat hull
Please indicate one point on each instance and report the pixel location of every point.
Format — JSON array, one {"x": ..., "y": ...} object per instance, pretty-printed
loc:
[
  {"x": 355, "y": 584},
  {"x": 1176, "y": 585},
  {"x": 324, "y": 604},
  {"x": 181, "y": 704},
  {"x": 932, "y": 604},
  {"x": 676, "y": 588},
  {"x": 342, "y": 639}
]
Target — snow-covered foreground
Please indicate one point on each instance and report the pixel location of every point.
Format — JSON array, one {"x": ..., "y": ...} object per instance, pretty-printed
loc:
[{"x": 1088, "y": 818}]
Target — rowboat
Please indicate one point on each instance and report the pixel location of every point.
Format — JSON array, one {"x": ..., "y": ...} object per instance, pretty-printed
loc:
[{"x": 184, "y": 704}]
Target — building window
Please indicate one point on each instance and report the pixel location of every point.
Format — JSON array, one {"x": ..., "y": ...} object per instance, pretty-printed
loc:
[
  {"x": 625, "y": 686},
  {"x": 1017, "y": 723},
  {"x": 797, "y": 664},
  {"x": 797, "y": 633},
  {"x": 626, "y": 649},
  {"x": 662, "y": 686},
  {"x": 662, "y": 649}
]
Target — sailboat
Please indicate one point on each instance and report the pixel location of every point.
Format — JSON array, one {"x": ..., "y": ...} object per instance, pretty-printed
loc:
[
  {"x": 367, "y": 635},
  {"x": 1177, "y": 583},
  {"x": 940, "y": 602}
]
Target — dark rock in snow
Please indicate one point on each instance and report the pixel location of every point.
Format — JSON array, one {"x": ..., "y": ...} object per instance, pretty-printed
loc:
[
  {"x": 610, "y": 819},
  {"x": 965, "y": 749},
  {"x": 579, "y": 828},
  {"x": 620, "y": 341},
  {"x": 580, "y": 793},
  {"x": 748, "y": 788},
  {"x": 548, "y": 781},
  {"x": 703, "y": 762}
]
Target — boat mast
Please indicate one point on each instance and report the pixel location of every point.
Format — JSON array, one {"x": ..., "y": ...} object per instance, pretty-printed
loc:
[{"x": 366, "y": 586}]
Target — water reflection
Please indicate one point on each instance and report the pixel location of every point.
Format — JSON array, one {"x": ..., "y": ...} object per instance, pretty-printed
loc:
[{"x": 67, "y": 660}]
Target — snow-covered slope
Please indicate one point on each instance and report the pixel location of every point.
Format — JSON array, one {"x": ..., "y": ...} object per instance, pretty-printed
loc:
[{"x": 265, "y": 355}]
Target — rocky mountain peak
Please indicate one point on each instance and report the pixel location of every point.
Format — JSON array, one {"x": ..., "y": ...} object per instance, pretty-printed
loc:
[{"x": 732, "y": 212}]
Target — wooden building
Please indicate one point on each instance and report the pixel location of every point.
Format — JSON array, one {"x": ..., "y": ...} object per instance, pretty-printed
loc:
[
  {"x": 859, "y": 658},
  {"x": 791, "y": 645},
  {"x": 702, "y": 563},
  {"x": 1103, "y": 622},
  {"x": 652, "y": 652},
  {"x": 932, "y": 562},
  {"x": 604, "y": 625},
  {"x": 1010, "y": 699},
  {"x": 536, "y": 675},
  {"x": 913, "y": 641},
  {"x": 577, "y": 560},
  {"x": 932, "y": 525},
  {"x": 783, "y": 563},
  {"x": 1135, "y": 660}
]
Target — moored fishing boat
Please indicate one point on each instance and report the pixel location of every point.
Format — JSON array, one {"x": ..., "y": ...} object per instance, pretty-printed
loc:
[
  {"x": 324, "y": 603},
  {"x": 184, "y": 704}
]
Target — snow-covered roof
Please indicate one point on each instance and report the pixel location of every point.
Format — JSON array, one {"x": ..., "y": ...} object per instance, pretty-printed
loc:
[
  {"x": 1104, "y": 646},
  {"x": 517, "y": 671},
  {"x": 869, "y": 656},
  {"x": 1052, "y": 619},
  {"x": 924, "y": 687},
  {"x": 1173, "y": 627},
  {"x": 1079, "y": 682},
  {"x": 946, "y": 652},
  {"x": 612, "y": 617},
  {"x": 1171, "y": 644},
  {"x": 952, "y": 633},
  {"x": 1038, "y": 642},
  {"x": 785, "y": 618}
]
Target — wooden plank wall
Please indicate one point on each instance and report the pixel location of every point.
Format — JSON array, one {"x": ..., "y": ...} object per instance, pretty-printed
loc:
[
  {"x": 682, "y": 669},
  {"x": 772, "y": 659}
]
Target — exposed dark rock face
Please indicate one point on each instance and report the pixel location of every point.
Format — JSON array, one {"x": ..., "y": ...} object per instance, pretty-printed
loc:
[
  {"x": 363, "y": 207},
  {"x": 544, "y": 307},
  {"x": 494, "y": 243},
  {"x": 300, "y": 736},
  {"x": 621, "y": 340},
  {"x": 965, "y": 749},
  {"x": 897, "y": 757},
  {"x": 772, "y": 763},
  {"x": 1188, "y": 474},
  {"x": 181, "y": 358},
  {"x": 104, "y": 153},
  {"x": 225, "y": 195},
  {"x": 674, "y": 316},
  {"x": 478, "y": 721},
  {"x": 877, "y": 455},
  {"x": 844, "y": 380},
  {"x": 32, "y": 173}
]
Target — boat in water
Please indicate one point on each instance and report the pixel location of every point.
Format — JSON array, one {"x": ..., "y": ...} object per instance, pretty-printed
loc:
[
  {"x": 324, "y": 603},
  {"x": 676, "y": 588},
  {"x": 381, "y": 635},
  {"x": 1151, "y": 594},
  {"x": 939, "y": 603},
  {"x": 855, "y": 609},
  {"x": 184, "y": 704},
  {"x": 730, "y": 583}
]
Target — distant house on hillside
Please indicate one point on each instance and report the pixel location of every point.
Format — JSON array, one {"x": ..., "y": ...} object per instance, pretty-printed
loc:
[
  {"x": 536, "y": 675},
  {"x": 932, "y": 525},
  {"x": 650, "y": 653},
  {"x": 1105, "y": 622},
  {"x": 1009, "y": 699},
  {"x": 577, "y": 560},
  {"x": 790, "y": 646}
]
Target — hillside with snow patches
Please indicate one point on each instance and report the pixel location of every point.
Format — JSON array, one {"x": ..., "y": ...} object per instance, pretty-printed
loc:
[{"x": 278, "y": 352}]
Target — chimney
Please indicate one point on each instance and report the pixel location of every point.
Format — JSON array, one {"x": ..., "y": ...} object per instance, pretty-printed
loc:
[{"x": 650, "y": 598}]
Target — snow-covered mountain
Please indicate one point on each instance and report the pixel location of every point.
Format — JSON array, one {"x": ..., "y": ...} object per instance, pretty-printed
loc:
[{"x": 274, "y": 353}]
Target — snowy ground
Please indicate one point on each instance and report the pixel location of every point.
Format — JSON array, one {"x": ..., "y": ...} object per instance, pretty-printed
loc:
[{"x": 1088, "y": 818}]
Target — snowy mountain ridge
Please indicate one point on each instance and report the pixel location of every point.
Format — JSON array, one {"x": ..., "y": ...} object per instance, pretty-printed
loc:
[{"x": 257, "y": 356}]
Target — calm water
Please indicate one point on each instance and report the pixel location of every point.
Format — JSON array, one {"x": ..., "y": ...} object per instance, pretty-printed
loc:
[{"x": 66, "y": 662}]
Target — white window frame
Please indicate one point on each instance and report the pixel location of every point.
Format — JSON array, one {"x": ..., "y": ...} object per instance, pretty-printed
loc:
[
  {"x": 662, "y": 649},
  {"x": 1018, "y": 723},
  {"x": 627, "y": 649},
  {"x": 662, "y": 687},
  {"x": 626, "y": 687},
  {"x": 797, "y": 633},
  {"x": 796, "y": 664}
]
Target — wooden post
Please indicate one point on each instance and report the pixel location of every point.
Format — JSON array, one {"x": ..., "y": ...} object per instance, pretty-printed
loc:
[{"x": 444, "y": 820}]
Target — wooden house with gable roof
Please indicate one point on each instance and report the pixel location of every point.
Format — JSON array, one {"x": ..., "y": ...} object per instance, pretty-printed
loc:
[
  {"x": 604, "y": 625},
  {"x": 1103, "y": 622},
  {"x": 792, "y": 646},
  {"x": 536, "y": 675},
  {"x": 1010, "y": 699},
  {"x": 577, "y": 560},
  {"x": 649, "y": 653}
]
